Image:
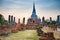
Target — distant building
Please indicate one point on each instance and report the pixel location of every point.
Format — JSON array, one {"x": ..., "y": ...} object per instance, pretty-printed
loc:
[
  {"x": 39, "y": 20},
  {"x": 9, "y": 19},
  {"x": 34, "y": 18},
  {"x": 34, "y": 12},
  {"x": 24, "y": 20},
  {"x": 43, "y": 19},
  {"x": 33, "y": 21},
  {"x": 18, "y": 21},
  {"x": 58, "y": 19},
  {"x": 50, "y": 19},
  {"x": 14, "y": 19}
]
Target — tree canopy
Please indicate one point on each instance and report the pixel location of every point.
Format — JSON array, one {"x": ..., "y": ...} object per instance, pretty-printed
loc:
[{"x": 1, "y": 19}]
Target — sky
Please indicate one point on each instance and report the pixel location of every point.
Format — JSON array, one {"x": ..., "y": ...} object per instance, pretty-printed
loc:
[{"x": 23, "y": 8}]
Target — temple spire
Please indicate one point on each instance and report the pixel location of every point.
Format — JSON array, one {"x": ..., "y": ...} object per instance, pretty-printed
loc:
[{"x": 34, "y": 12}]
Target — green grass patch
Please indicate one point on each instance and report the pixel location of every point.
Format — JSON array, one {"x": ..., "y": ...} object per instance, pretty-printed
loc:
[{"x": 23, "y": 35}]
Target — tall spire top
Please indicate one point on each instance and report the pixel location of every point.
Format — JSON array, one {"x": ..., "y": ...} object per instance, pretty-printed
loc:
[
  {"x": 34, "y": 11},
  {"x": 33, "y": 6}
]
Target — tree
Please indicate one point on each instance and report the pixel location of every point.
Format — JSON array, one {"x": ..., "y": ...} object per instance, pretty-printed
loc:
[
  {"x": 53, "y": 22},
  {"x": 1, "y": 19},
  {"x": 5, "y": 22},
  {"x": 48, "y": 22}
]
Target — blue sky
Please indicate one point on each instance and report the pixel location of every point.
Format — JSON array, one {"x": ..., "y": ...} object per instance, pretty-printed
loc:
[
  {"x": 23, "y": 8},
  {"x": 53, "y": 4}
]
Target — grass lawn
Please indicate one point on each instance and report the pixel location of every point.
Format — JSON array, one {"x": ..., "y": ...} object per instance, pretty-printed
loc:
[{"x": 22, "y": 35}]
